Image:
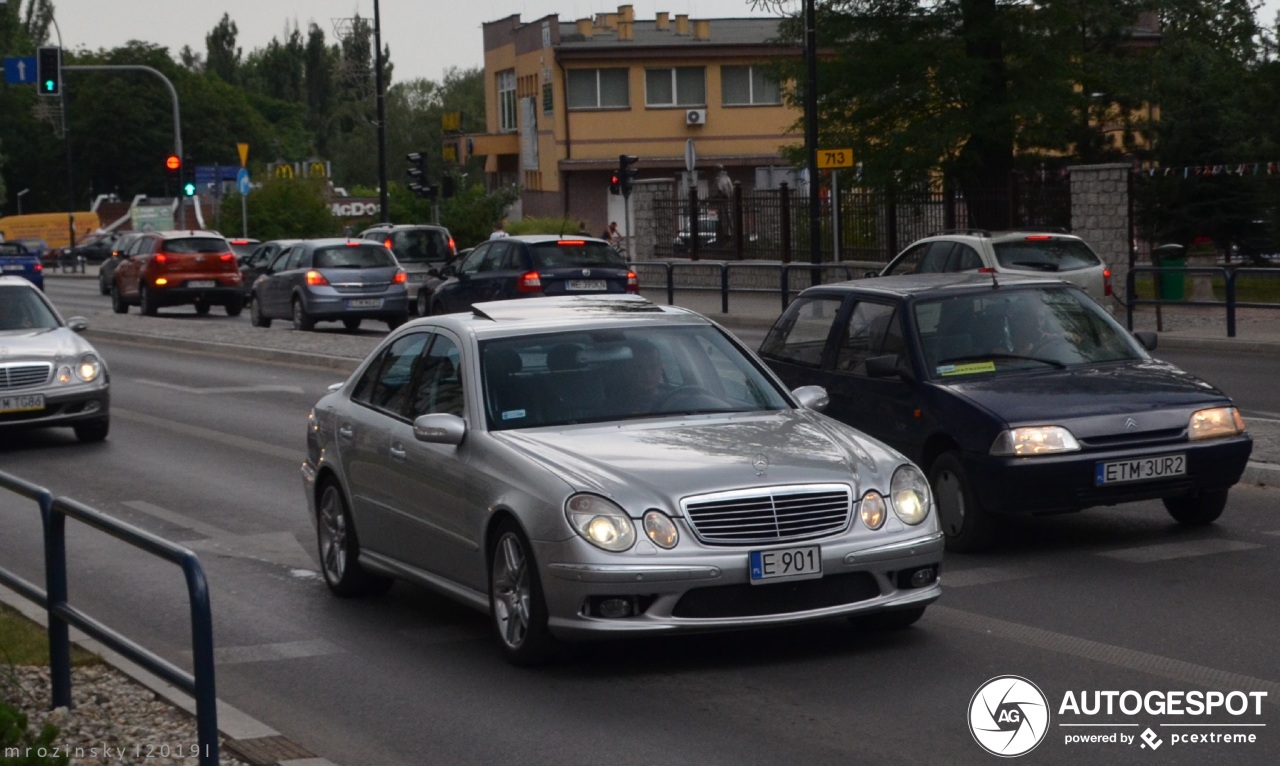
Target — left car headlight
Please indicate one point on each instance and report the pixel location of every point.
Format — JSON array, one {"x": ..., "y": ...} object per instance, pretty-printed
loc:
[
  {"x": 1216, "y": 422},
  {"x": 909, "y": 495},
  {"x": 1034, "y": 440},
  {"x": 600, "y": 522}
]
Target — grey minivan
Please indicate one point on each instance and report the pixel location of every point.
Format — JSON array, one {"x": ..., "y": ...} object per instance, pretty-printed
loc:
[{"x": 331, "y": 280}]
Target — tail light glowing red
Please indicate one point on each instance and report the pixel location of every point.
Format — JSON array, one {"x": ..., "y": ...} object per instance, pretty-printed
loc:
[
  {"x": 161, "y": 258},
  {"x": 400, "y": 278},
  {"x": 530, "y": 282},
  {"x": 453, "y": 248},
  {"x": 316, "y": 278},
  {"x": 633, "y": 284},
  {"x": 1106, "y": 281},
  {"x": 1038, "y": 238}
]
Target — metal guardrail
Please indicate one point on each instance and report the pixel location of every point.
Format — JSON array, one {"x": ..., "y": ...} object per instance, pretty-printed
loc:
[
  {"x": 1229, "y": 302},
  {"x": 61, "y": 615},
  {"x": 718, "y": 276}
]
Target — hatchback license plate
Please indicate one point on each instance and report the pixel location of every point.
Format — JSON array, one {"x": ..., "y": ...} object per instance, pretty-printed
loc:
[
  {"x": 586, "y": 284},
  {"x": 801, "y": 563},
  {"x": 365, "y": 303},
  {"x": 201, "y": 283},
  {"x": 25, "y": 403},
  {"x": 1140, "y": 469},
  {"x": 13, "y": 267}
]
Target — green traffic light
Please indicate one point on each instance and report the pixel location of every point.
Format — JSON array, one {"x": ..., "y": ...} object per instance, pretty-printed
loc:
[
  {"x": 189, "y": 189},
  {"x": 48, "y": 86}
]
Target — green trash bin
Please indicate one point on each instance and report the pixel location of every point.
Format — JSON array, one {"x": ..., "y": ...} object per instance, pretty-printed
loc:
[{"x": 1170, "y": 285}]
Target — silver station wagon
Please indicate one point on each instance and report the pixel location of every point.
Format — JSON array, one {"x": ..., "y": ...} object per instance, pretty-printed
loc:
[{"x": 591, "y": 466}]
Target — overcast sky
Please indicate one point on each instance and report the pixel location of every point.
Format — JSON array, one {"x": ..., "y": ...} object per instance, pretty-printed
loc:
[{"x": 426, "y": 37}]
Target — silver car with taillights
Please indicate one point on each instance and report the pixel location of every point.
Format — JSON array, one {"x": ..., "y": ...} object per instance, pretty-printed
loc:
[{"x": 591, "y": 466}]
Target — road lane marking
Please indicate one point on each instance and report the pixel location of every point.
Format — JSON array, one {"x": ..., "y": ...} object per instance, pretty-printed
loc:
[
  {"x": 289, "y": 650},
  {"x": 231, "y": 440},
  {"x": 262, "y": 389},
  {"x": 280, "y": 548},
  {"x": 982, "y": 576},
  {"x": 1166, "y": 551},
  {"x": 1108, "y": 654}
]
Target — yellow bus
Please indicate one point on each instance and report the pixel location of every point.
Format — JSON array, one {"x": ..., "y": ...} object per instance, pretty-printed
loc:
[{"x": 53, "y": 228}]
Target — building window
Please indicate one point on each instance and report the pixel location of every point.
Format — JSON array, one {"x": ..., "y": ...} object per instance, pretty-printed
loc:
[
  {"x": 676, "y": 86},
  {"x": 748, "y": 86},
  {"x": 507, "y": 101},
  {"x": 598, "y": 89}
]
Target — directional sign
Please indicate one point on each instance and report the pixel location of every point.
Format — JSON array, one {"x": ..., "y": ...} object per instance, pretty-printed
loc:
[
  {"x": 242, "y": 182},
  {"x": 835, "y": 158},
  {"x": 20, "y": 70}
]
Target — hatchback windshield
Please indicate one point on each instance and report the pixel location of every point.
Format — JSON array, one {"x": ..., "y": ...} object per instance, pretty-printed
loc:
[
  {"x": 1013, "y": 329},
  {"x": 1045, "y": 254},
  {"x": 353, "y": 257},
  {"x": 421, "y": 246},
  {"x": 605, "y": 375},
  {"x": 572, "y": 254}
]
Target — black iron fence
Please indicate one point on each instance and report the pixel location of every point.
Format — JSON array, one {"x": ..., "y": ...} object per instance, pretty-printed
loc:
[
  {"x": 856, "y": 224},
  {"x": 61, "y": 615}
]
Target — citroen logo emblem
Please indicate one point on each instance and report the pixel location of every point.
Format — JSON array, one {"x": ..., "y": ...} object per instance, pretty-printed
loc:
[
  {"x": 1130, "y": 424},
  {"x": 760, "y": 463}
]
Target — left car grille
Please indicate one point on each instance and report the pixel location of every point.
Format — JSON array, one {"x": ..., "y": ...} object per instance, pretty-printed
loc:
[
  {"x": 24, "y": 375},
  {"x": 769, "y": 514}
]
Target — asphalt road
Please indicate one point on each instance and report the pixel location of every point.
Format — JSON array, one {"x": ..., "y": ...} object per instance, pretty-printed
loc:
[{"x": 205, "y": 451}]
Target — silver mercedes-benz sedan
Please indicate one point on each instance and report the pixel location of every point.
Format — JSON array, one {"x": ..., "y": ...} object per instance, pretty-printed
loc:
[
  {"x": 594, "y": 466},
  {"x": 49, "y": 374}
]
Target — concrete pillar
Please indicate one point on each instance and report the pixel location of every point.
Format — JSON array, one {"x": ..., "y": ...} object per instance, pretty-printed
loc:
[{"x": 1100, "y": 211}]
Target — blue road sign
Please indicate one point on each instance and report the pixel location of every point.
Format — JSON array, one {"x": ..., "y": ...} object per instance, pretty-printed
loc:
[
  {"x": 242, "y": 182},
  {"x": 209, "y": 174},
  {"x": 20, "y": 70}
]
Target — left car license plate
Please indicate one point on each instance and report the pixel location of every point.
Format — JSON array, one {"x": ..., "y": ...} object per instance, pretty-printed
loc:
[
  {"x": 365, "y": 303},
  {"x": 1140, "y": 469},
  {"x": 800, "y": 563},
  {"x": 26, "y": 403},
  {"x": 201, "y": 283},
  {"x": 13, "y": 267},
  {"x": 586, "y": 284}
]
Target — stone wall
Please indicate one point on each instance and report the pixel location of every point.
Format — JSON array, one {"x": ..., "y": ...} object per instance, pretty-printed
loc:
[
  {"x": 643, "y": 223},
  {"x": 1100, "y": 215}
]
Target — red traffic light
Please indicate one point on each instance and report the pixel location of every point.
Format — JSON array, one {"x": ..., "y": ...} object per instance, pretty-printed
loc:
[{"x": 173, "y": 162}]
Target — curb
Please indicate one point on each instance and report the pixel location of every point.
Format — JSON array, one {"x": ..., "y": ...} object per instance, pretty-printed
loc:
[{"x": 243, "y": 736}]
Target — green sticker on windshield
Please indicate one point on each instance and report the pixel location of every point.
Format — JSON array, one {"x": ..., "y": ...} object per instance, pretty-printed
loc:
[{"x": 971, "y": 368}]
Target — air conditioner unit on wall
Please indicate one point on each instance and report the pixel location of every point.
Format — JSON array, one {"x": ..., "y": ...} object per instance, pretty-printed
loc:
[{"x": 695, "y": 116}]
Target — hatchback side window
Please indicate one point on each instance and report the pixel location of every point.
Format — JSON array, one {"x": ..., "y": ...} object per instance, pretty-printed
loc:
[
  {"x": 281, "y": 261},
  {"x": 864, "y": 336},
  {"x": 801, "y": 335},
  {"x": 385, "y": 385},
  {"x": 471, "y": 264},
  {"x": 515, "y": 259},
  {"x": 493, "y": 261},
  {"x": 964, "y": 258}
]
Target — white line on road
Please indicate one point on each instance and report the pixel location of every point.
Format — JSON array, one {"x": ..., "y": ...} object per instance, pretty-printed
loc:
[
  {"x": 1118, "y": 656},
  {"x": 1164, "y": 552},
  {"x": 262, "y": 389}
]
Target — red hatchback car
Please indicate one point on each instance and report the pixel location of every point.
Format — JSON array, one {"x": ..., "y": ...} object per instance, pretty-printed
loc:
[{"x": 173, "y": 268}]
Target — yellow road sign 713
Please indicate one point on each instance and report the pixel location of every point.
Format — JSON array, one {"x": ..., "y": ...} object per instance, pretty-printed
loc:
[{"x": 835, "y": 158}]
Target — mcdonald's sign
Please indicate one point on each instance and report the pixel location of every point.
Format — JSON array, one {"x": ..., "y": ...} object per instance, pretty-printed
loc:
[
  {"x": 317, "y": 169},
  {"x": 451, "y": 122},
  {"x": 281, "y": 170}
]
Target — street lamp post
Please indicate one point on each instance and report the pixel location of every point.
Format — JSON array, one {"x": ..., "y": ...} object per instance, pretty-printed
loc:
[
  {"x": 811, "y": 136},
  {"x": 19, "y": 197},
  {"x": 382, "y": 114}
]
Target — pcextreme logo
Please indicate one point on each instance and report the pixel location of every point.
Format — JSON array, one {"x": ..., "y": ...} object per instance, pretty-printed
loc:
[{"x": 1008, "y": 716}]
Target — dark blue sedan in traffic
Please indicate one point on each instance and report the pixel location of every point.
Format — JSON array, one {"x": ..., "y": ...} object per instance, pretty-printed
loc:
[
  {"x": 16, "y": 260},
  {"x": 1017, "y": 395}
]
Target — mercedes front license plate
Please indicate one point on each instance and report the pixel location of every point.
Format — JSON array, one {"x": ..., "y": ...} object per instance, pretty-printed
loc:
[
  {"x": 24, "y": 403},
  {"x": 799, "y": 563}
]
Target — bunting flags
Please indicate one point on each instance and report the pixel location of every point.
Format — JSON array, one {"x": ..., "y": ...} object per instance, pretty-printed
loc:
[{"x": 1234, "y": 169}]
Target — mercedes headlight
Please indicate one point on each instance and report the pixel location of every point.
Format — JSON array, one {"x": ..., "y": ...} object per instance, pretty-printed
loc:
[
  {"x": 89, "y": 368},
  {"x": 909, "y": 495},
  {"x": 600, "y": 522},
  {"x": 871, "y": 510},
  {"x": 1211, "y": 424},
  {"x": 1034, "y": 440},
  {"x": 661, "y": 529}
]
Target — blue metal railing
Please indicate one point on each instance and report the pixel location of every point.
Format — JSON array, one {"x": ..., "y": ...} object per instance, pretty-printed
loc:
[
  {"x": 61, "y": 615},
  {"x": 1228, "y": 303}
]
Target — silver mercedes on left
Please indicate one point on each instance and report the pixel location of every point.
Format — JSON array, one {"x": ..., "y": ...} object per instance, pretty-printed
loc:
[{"x": 594, "y": 466}]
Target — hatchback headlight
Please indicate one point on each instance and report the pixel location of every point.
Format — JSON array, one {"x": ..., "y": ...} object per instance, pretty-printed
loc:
[
  {"x": 909, "y": 495},
  {"x": 1211, "y": 424},
  {"x": 600, "y": 522},
  {"x": 1034, "y": 440}
]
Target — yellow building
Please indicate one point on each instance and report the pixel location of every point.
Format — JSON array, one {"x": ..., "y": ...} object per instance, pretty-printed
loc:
[{"x": 565, "y": 99}]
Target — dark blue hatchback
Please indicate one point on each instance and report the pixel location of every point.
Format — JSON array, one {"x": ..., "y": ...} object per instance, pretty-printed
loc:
[
  {"x": 1015, "y": 395},
  {"x": 18, "y": 261}
]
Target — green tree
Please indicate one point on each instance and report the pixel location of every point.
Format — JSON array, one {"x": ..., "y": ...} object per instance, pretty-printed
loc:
[
  {"x": 283, "y": 209},
  {"x": 222, "y": 57}
]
